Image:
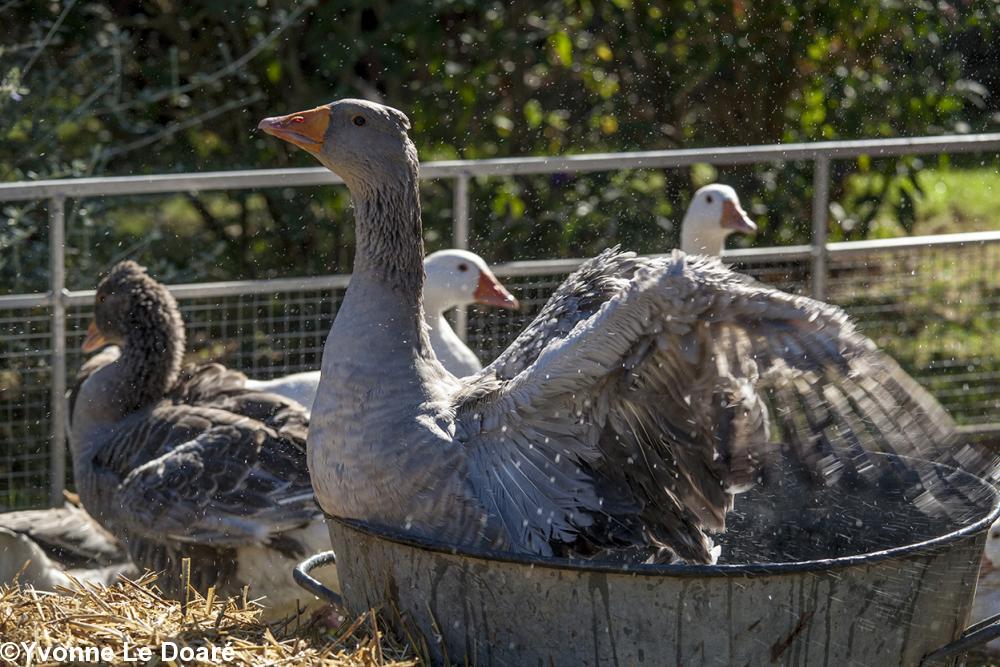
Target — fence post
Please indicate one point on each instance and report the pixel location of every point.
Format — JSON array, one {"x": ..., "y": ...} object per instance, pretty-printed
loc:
[
  {"x": 460, "y": 239},
  {"x": 820, "y": 209},
  {"x": 57, "y": 287}
]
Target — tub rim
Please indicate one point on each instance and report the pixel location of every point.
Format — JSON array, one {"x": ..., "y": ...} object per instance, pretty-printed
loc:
[{"x": 420, "y": 543}]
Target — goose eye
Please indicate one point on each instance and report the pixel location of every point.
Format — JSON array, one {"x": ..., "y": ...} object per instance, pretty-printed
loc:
[
  {"x": 709, "y": 199},
  {"x": 463, "y": 267},
  {"x": 359, "y": 120}
]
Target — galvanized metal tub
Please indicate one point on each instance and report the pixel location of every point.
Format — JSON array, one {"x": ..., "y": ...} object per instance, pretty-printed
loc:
[{"x": 895, "y": 605}]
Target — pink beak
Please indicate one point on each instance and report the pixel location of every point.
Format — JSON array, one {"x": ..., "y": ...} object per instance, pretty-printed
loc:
[
  {"x": 736, "y": 219},
  {"x": 490, "y": 292}
]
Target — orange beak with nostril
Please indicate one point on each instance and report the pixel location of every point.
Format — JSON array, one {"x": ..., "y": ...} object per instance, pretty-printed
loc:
[{"x": 305, "y": 129}]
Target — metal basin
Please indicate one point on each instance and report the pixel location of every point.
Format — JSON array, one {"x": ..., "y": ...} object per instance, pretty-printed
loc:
[{"x": 898, "y": 591}]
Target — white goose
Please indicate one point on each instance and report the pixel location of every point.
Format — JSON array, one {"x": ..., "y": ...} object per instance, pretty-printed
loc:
[
  {"x": 454, "y": 278},
  {"x": 712, "y": 216},
  {"x": 461, "y": 278},
  {"x": 623, "y": 419},
  {"x": 23, "y": 560}
]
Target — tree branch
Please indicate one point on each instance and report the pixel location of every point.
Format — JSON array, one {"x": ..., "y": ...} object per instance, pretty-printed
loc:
[
  {"x": 177, "y": 127},
  {"x": 223, "y": 72}
]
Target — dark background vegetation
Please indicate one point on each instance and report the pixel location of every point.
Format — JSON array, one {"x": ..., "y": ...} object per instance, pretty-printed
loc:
[
  {"x": 124, "y": 87},
  {"x": 135, "y": 87}
]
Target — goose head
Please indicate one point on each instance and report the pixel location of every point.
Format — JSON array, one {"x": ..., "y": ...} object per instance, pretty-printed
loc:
[
  {"x": 460, "y": 278},
  {"x": 713, "y": 214},
  {"x": 139, "y": 314},
  {"x": 129, "y": 304},
  {"x": 362, "y": 142}
]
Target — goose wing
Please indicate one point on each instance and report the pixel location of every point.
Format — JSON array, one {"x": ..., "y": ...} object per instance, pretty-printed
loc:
[
  {"x": 214, "y": 385},
  {"x": 207, "y": 476},
  {"x": 649, "y": 391},
  {"x": 67, "y": 535}
]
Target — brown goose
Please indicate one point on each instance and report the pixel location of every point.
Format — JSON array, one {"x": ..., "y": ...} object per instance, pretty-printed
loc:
[
  {"x": 624, "y": 419},
  {"x": 178, "y": 463}
]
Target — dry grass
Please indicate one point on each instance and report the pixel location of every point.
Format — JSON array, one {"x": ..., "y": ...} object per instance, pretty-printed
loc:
[{"x": 133, "y": 614}]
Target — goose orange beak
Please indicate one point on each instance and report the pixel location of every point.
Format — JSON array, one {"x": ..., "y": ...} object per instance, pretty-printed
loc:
[
  {"x": 305, "y": 129},
  {"x": 95, "y": 340},
  {"x": 491, "y": 292},
  {"x": 736, "y": 219}
]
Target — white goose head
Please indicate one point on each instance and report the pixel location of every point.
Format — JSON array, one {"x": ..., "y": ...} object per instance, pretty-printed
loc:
[
  {"x": 460, "y": 278},
  {"x": 713, "y": 214}
]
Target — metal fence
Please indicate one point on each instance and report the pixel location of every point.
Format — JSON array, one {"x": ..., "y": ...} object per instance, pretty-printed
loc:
[{"x": 899, "y": 290}]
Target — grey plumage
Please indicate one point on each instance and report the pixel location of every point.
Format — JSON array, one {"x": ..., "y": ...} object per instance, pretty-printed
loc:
[
  {"x": 674, "y": 373},
  {"x": 620, "y": 423},
  {"x": 67, "y": 535},
  {"x": 92, "y": 364},
  {"x": 184, "y": 462}
]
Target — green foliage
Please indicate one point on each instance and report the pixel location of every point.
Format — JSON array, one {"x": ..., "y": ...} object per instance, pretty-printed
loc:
[
  {"x": 134, "y": 87},
  {"x": 943, "y": 201}
]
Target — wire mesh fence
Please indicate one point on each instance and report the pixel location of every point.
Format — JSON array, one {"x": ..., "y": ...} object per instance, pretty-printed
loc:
[
  {"x": 25, "y": 376},
  {"x": 265, "y": 329},
  {"x": 935, "y": 308}
]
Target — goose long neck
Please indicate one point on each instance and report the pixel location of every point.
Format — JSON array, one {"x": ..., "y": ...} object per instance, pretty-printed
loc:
[
  {"x": 378, "y": 358},
  {"x": 386, "y": 293},
  {"x": 702, "y": 239},
  {"x": 390, "y": 245},
  {"x": 151, "y": 359}
]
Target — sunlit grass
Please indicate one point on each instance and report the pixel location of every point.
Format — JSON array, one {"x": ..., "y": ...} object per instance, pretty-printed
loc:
[
  {"x": 938, "y": 314},
  {"x": 959, "y": 201},
  {"x": 949, "y": 201}
]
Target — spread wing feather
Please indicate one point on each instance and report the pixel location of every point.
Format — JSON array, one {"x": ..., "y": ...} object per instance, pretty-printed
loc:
[{"x": 649, "y": 391}]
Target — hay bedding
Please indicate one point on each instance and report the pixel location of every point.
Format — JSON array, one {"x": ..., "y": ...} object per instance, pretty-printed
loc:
[{"x": 132, "y": 615}]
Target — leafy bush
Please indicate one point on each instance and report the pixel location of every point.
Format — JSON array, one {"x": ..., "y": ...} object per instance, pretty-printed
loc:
[{"x": 132, "y": 87}]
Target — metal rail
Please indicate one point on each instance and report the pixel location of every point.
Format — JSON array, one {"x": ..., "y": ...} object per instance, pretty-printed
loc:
[
  {"x": 455, "y": 169},
  {"x": 460, "y": 239},
  {"x": 461, "y": 171},
  {"x": 57, "y": 282},
  {"x": 542, "y": 267},
  {"x": 820, "y": 206}
]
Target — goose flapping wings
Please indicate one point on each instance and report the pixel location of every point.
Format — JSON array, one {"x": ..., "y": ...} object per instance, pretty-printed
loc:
[
  {"x": 648, "y": 392},
  {"x": 622, "y": 422}
]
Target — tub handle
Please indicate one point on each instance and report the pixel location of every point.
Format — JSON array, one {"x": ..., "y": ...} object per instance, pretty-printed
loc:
[
  {"x": 312, "y": 584},
  {"x": 975, "y": 635}
]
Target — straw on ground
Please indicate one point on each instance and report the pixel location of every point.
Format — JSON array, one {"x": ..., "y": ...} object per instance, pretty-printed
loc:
[{"x": 133, "y": 614}]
